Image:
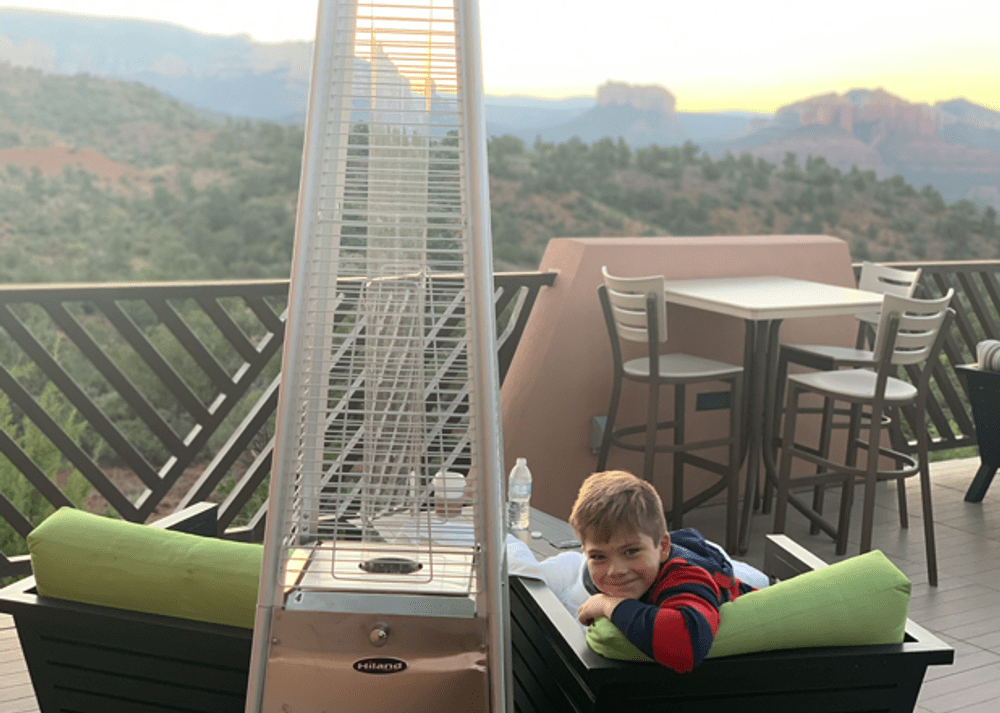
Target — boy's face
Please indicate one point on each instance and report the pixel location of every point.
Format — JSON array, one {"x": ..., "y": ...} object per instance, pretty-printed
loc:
[{"x": 626, "y": 564}]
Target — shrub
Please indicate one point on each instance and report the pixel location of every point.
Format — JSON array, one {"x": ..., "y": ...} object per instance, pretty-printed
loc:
[{"x": 47, "y": 456}]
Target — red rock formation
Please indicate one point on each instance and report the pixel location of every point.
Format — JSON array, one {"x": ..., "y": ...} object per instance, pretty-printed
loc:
[
  {"x": 644, "y": 97},
  {"x": 889, "y": 114}
]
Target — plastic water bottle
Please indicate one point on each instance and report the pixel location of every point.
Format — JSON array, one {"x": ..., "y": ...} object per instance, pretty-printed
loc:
[{"x": 519, "y": 496}]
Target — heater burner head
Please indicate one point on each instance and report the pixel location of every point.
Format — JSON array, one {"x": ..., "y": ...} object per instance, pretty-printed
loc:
[{"x": 390, "y": 565}]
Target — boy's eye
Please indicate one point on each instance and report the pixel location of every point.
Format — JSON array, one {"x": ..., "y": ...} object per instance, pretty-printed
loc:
[
  {"x": 596, "y": 556},
  {"x": 633, "y": 551}
]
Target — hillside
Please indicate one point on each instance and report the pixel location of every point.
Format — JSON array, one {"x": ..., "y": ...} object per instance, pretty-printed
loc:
[
  {"x": 227, "y": 74},
  {"x": 237, "y": 76},
  {"x": 952, "y": 145},
  {"x": 572, "y": 189},
  {"x": 105, "y": 180}
]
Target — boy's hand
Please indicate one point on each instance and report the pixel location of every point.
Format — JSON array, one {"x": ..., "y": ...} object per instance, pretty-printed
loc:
[{"x": 596, "y": 606}]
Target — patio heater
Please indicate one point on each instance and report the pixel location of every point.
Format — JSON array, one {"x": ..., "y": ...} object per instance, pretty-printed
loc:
[{"x": 384, "y": 579}]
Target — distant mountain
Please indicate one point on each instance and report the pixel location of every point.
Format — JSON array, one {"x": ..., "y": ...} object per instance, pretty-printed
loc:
[
  {"x": 642, "y": 115},
  {"x": 953, "y": 145},
  {"x": 700, "y": 127},
  {"x": 969, "y": 124},
  {"x": 237, "y": 76},
  {"x": 227, "y": 74},
  {"x": 524, "y": 117},
  {"x": 638, "y": 127}
]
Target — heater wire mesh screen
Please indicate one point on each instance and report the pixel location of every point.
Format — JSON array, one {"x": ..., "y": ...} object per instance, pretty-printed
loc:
[{"x": 382, "y": 469}]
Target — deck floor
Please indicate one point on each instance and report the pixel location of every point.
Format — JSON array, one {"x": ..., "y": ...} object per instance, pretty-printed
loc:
[
  {"x": 16, "y": 694},
  {"x": 964, "y": 610}
]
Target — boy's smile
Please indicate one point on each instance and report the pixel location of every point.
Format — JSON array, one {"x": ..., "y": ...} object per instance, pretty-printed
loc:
[{"x": 626, "y": 564}]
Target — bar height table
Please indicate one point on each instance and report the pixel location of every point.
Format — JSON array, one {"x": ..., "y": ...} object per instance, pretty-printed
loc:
[{"x": 763, "y": 302}]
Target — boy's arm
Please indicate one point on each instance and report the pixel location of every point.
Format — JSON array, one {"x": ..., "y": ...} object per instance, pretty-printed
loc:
[
  {"x": 597, "y": 605},
  {"x": 677, "y": 630}
]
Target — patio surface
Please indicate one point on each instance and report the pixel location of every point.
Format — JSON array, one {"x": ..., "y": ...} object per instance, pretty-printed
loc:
[{"x": 964, "y": 610}]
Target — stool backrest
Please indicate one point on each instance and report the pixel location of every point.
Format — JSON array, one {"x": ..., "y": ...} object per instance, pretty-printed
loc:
[
  {"x": 885, "y": 280},
  {"x": 888, "y": 280},
  {"x": 920, "y": 322},
  {"x": 628, "y": 296}
]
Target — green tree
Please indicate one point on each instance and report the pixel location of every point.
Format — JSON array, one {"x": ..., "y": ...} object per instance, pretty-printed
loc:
[
  {"x": 44, "y": 454},
  {"x": 710, "y": 170},
  {"x": 504, "y": 154},
  {"x": 933, "y": 201},
  {"x": 790, "y": 169},
  {"x": 989, "y": 222}
]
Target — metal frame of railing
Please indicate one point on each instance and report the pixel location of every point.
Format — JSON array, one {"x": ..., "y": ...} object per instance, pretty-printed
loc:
[
  {"x": 103, "y": 348},
  {"x": 221, "y": 359}
]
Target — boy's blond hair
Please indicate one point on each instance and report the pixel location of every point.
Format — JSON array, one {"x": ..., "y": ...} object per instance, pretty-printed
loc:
[{"x": 615, "y": 501}]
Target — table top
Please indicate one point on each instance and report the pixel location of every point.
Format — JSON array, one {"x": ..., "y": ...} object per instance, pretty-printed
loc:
[
  {"x": 553, "y": 533},
  {"x": 767, "y": 297}
]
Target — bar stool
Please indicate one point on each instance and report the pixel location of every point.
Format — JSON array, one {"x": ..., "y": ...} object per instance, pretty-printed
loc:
[
  {"x": 635, "y": 311},
  {"x": 910, "y": 331},
  {"x": 884, "y": 280}
]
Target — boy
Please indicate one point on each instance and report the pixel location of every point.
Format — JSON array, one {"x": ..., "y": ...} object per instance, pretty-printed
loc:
[{"x": 663, "y": 590}]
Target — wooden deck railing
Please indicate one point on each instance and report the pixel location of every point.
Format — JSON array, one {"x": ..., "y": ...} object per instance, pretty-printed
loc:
[{"x": 156, "y": 379}]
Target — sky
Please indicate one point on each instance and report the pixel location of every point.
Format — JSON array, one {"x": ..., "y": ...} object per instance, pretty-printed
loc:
[{"x": 713, "y": 55}]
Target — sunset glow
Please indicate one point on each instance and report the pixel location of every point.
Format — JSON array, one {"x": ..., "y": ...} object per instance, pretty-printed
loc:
[{"x": 717, "y": 56}]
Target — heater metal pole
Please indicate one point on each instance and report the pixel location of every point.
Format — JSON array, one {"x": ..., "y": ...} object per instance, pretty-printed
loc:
[
  {"x": 308, "y": 209},
  {"x": 484, "y": 370}
]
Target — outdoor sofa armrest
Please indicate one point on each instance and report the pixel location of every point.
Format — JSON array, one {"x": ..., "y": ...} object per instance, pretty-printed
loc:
[{"x": 198, "y": 519}]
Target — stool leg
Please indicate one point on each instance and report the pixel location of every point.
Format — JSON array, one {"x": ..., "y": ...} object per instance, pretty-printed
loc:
[
  {"x": 847, "y": 489},
  {"x": 779, "y": 392},
  {"x": 609, "y": 423},
  {"x": 677, "y": 508},
  {"x": 925, "y": 497},
  {"x": 785, "y": 471},
  {"x": 733, "y": 494},
  {"x": 871, "y": 480},
  {"x": 904, "y": 515},
  {"x": 652, "y": 416},
  {"x": 819, "y": 495},
  {"x": 825, "y": 436}
]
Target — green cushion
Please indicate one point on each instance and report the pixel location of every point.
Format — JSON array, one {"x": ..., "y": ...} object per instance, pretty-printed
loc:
[
  {"x": 862, "y": 600},
  {"x": 96, "y": 560},
  {"x": 607, "y": 639}
]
